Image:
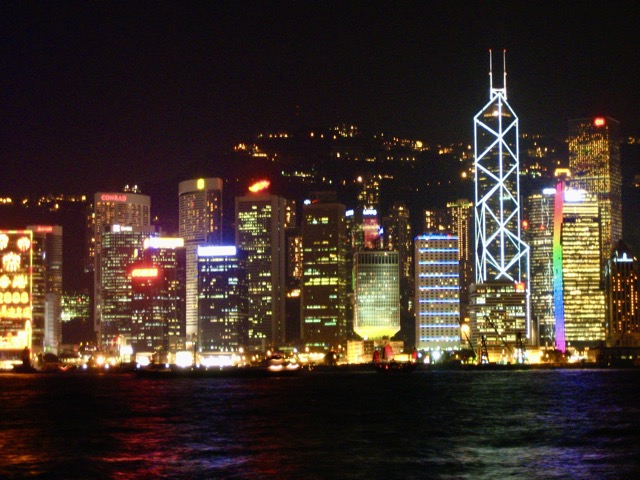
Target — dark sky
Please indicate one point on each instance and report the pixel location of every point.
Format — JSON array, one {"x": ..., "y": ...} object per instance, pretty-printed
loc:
[{"x": 96, "y": 94}]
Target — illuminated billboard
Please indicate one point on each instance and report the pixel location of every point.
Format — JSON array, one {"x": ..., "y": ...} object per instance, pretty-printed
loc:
[{"x": 16, "y": 256}]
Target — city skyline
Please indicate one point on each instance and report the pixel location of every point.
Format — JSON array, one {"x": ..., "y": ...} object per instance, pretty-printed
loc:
[{"x": 116, "y": 93}]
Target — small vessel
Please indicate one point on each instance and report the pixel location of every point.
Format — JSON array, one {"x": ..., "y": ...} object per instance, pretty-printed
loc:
[{"x": 387, "y": 364}]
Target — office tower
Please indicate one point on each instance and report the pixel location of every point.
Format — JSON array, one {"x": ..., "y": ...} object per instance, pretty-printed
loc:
[
  {"x": 260, "y": 232},
  {"x": 199, "y": 222},
  {"x": 437, "y": 301},
  {"x": 223, "y": 302},
  {"x": 15, "y": 294},
  {"x": 76, "y": 319},
  {"x": 47, "y": 287},
  {"x": 460, "y": 220},
  {"x": 113, "y": 208},
  {"x": 594, "y": 161},
  {"x": 539, "y": 235},
  {"x": 294, "y": 277},
  {"x": 435, "y": 220},
  {"x": 377, "y": 294},
  {"x": 324, "y": 273},
  {"x": 583, "y": 299},
  {"x": 623, "y": 314},
  {"x": 397, "y": 236},
  {"x": 121, "y": 248},
  {"x": 500, "y": 253},
  {"x": 158, "y": 296},
  {"x": 498, "y": 312},
  {"x": 367, "y": 210},
  {"x": 75, "y": 305}
]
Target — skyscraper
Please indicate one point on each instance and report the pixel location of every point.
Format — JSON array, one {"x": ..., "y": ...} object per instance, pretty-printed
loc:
[
  {"x": 223, "y": 302},
  {"x": 199, "y": 222},
  {"x": 324, "y": 273},
  {"x": 377, "y": 294},
  {"x": 500, "y": 252},
  {"x": 501, "y": 255},
  {"x": 47, "y": 287},
  {"x": 539, "y": 235},
  {"x": 437, "y": 292},
  {"x": 397, "y": 236},
  {"x": 261, "y": 221},
  {"x": 583, "y": 299},
  {"x": 113, "y": 208},
  {"x": 158, "y": 302},
  {"x": 594, "y": 161},
  {"x": 460, "y": 215},
  {"x": 121, "y": 248},
  {"x": 623, "y": 307}
]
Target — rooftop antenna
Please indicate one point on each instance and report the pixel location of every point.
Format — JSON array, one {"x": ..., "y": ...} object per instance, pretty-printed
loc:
[
  {"x": 493, "y": 92},
  {"x": 490, "y": 73},
  {"x": 504, "y": 67}
]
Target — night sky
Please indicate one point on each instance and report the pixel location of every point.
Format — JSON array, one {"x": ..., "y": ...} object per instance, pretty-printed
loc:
[{"x": 98, "y": 94}]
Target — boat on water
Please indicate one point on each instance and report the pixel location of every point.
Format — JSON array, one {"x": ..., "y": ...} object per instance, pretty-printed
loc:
[{"x": 386, "y": 363}]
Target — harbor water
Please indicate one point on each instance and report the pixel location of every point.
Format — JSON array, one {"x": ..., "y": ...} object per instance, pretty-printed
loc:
[{"x": 533, "y": 424}]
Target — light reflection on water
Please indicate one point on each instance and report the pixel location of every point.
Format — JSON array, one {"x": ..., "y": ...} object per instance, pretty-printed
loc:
[{"x": 573, "y": 424}]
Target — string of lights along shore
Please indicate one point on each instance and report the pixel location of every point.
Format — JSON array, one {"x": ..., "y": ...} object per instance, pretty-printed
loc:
[{"x": 339, "y": 245}]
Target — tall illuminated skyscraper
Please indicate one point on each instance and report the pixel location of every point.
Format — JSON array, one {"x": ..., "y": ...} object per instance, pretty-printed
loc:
[
  {"x": 583, "y": 303},
  {"x": 47, "y": 287},
  {"x": 324, "y": 273},
  {"x": 377, "y": 294},
  {"x": 501, "y": 254},
  {"x": 437, "y": 292},
  {"x": 623, "y": 298},
  {"x": 539, "y": 235},
  {"x": 113, "y": 208},
  {"x": 222, "y": 299},
  {"x": 121, "y": 248},
  {"x": 397, "y": 236},
  {"x": 199, "y": 222},
  {"x": 460, "y": 215},
  {"x": 261, "y": 223},
  {"x": 158, "y": 301},
  {"x": 594, "y": 161}
]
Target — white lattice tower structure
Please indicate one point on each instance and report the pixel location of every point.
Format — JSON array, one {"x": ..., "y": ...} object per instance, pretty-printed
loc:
[{"x": 500, "y": 252}]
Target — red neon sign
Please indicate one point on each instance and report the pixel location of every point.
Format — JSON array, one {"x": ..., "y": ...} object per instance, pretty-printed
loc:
[
  {"x": 599, "y": 122},
  {"x": 113, "y": 197}
]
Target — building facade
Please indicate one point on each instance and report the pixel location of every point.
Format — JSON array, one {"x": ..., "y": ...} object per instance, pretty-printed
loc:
[
  {"x": 376, "y": 275},
  {"x": 324, "y": 274},
  {"x": 594, "y": 161},
  {"x": 47, "y": 287},
  {"x": 437, "y": 299},
  {"x": 261, "y": 224},
  {"x": 623, "y": 312},
  {"x": 112, "y": 208},
  {"x": 501, "y": 255},
  {"x": 223, "y": 301},
  {"x": 199, "y": 223},
  {"x": 121, "y": 248}
]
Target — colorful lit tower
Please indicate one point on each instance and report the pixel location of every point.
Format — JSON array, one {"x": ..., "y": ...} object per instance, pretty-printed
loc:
[{"x": 501, "y": 254}]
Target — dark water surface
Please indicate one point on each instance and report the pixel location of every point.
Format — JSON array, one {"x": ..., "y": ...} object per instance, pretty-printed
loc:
[{"x": 553, "y": 424}]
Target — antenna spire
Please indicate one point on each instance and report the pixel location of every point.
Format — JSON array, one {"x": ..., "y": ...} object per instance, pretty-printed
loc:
[
  {"x": 504, "y": 66},
  {"x": 490, "y": 72}
]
